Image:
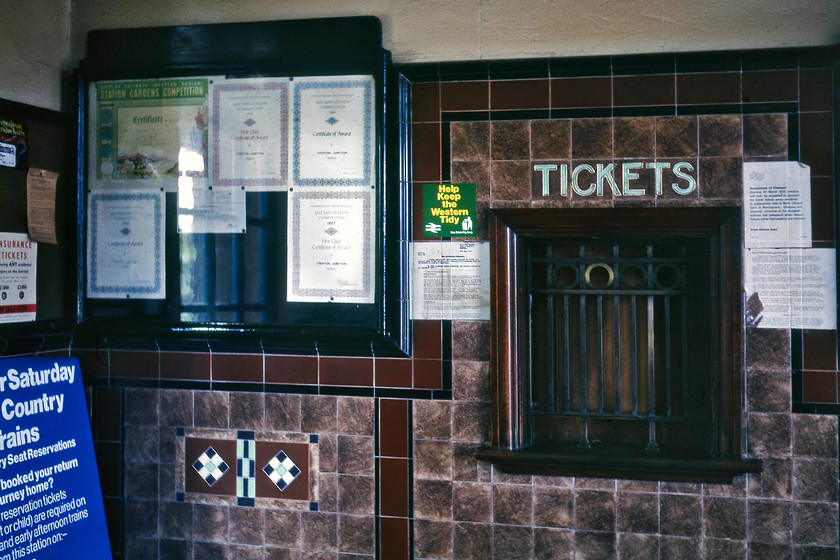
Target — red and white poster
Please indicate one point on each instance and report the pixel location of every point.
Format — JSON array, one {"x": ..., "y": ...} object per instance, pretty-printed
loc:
[{"x": 18, "y": 258}]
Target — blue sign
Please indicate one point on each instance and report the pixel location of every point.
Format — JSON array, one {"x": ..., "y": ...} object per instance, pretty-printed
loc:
[{"x": 50, "y": 499}]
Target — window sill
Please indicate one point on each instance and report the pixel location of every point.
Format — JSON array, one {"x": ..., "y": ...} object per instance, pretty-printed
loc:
[{"x": 529, "y": 461}]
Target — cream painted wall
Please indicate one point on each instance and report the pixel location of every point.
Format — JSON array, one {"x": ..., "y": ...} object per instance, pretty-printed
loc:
[
  {"x": 436, "y": 30},
  {"x": 34, "y": 50},
  {"x": 38, "y": 41}
]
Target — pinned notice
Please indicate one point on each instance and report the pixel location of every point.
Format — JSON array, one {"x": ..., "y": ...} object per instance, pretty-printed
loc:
[
  {"x": 777, "y": 204},
  {"x": 40, "y": 204}
]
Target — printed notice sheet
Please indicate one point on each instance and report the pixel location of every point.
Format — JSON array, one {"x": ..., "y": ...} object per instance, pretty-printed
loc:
[
  {"x": 40, "y": 204},
  {"x": 334, "y": 131},
  {"x": 125, "y": 247},
  {"x": 790, "y": 288},
  {"x": 204, "y": 209},
  {"x": 147, "y": 133},
  {"x": 331, "y": 246},
  {"x": 450, "y": 280},
  {"x": 777, "y": 204},
  {"x": 18, "y": 267},
  {"x": 249, "y": 133}
]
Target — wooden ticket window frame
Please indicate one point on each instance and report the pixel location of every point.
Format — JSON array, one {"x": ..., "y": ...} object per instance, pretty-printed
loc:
[{"x": 302, "y": 48}]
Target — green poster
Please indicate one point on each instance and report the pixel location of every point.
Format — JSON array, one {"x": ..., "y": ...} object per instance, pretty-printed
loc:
[{"x": 449, "y": 210}]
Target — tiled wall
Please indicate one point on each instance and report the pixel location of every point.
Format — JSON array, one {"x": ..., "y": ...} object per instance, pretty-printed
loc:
[{"x": 390, "y": 472}]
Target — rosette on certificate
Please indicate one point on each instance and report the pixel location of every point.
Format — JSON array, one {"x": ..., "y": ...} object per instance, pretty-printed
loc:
[
  {"x": 249, "y": 131},
  {"x": 334, "y": 132},
  {"x": 331, "y": 246}
]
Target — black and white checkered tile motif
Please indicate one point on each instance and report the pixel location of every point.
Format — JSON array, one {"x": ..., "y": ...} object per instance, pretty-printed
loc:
[
  {"x": 210, "y": 466},
  {"x": 281, "y": 470},
  {"x": 246, "y": 476}
]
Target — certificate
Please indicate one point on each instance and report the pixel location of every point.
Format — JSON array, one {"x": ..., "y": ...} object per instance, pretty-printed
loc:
[
  {"x": 149, "y": 130},
  {"x": 125, "y": 248},
  {"x": 18, "y": 268},
  {"x": 249, "y": 132},
  {"x": 331, "y": 246},
  {"x": 334, "y": 132}
]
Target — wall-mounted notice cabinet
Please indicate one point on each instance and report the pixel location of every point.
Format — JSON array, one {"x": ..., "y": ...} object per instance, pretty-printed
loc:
[{"x": 242, "y": 181}]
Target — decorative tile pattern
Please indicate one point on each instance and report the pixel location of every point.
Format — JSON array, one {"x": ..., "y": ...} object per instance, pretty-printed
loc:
[
  {"x": 245, "y": 468},
  {"x": 281, "y": 470},
  {"x": 210, "y": 466}
]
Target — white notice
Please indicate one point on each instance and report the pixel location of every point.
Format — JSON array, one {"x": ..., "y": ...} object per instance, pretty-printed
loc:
[
  {"x": 450, "y": 281},
  {"x": 790, "y": 288},
  {"x": 777, "y": 204}
]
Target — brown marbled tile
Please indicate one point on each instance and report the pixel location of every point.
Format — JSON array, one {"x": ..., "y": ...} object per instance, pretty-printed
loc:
[
  {"x": 637, "y": 546},
  {"x": 720, "y": 135},
  {"x": 200, "y": 550},
  {"x": 551, "y": 179},
  {"x": 551, "y": 139},
  {"x": 464, "y": 464},
  {"x": 169, "y": 548},
  {"x": 393, "y": 538},
  {"x": 512, "y": 504},
  {"x": 433, "y": 499},
  {"x": 581, "y": 92},
  {"x": 760, "y": 551},
  {"x": 471, "y": 421},
  {"x": 765, "y": 134},
  {"x": 319, "y": 530},
  {"x": 432, "y": 419},
  {"x": 606, "y": 484},
  {"x": 142, "y": 406},
  {"x": 282, "y": 528},
  {"x": 708, "y": 88},
  {"x": 432, "y": 539},
  {"x": 464, "y": 96},
  {"x": 211, "y": 409},
  {"x": 318, "y": 414},
  {"x": 768, "y": 391},
  {"x": 769, "y": 435},
  {"x": 477, "y": 172},
  {"x": 594, "y": 510},
  {"x": 142, "y": 444},
  {"x": 425, "y": 102},
  {"x": 553, "y": 544},
  {"x": 637, "y": 513},
  {"x": 176, "y": 408},
  {"x": 247, "y": 525},
  {"x": 553, "y": 507},
  {"x": 768, "y": 349},
  {"x": 680, "y": 487},
  {"x": 356, "y": 534},
  {"x": 775, "y": 480},
  {"x": 473, "y": 540},
  {"x": 432, "y": 459},
  {"x": 355, "y": 455},
  {"x": 356, "y": 494},
  {"x": 426, "y": 152},
  {"x": 510, "y": 180},
  {"x": 592, "y": 139},
  {"x": 328, "y": 492},
  {"x": 471, "y": 502},
  {"x": 355, "y": 416},
  {"x": 471, "y": 340},
  {"x": 247, "y": 411},
  {"x": 634, "y": 137},
  {"x": 141, "y": 518},
  {"x": 328, "y": 453},
  {"x": 815, "y": 523},
  {"x": 680, "y": 515},
  {"x": 721, "y": 178},
  {"x": 724, "y": 548},
  {"x": 725, "y": 518},
  {"x": 282, "y": 412},
  {"x": 815, "y": 436},
  {"x": 471, "y": 381},
  {"x": 211, "y": 523},
  {"x": 645, "y": 486},
  {"x": 513, "y": 543},
  {"x": 807, "y": 552},
  {"x": 676, "y": 137},
  {"x": 647, "y": 90},
  {"x": 595, "y": 545},
  {"x": 469, "y": 141},
  {"x": 771, "y": 521},
  {"x": 815, "y": 480}
]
